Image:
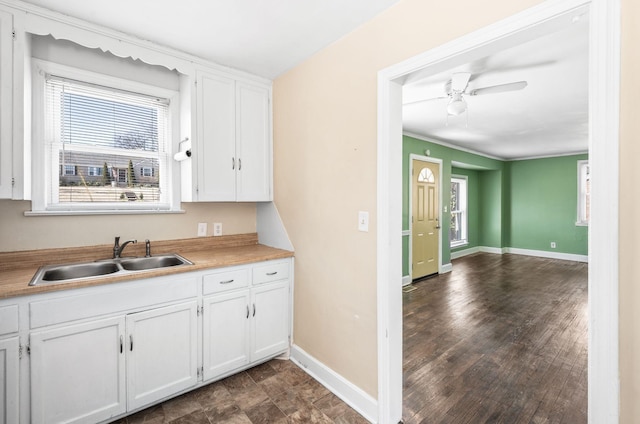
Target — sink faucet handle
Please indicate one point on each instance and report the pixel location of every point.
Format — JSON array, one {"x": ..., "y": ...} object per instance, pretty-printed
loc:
[{"x": 147, "y": 248}]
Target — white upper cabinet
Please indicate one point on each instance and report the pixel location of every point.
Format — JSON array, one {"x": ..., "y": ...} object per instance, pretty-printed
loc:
[
  {"x": 253, "y": 149},
  {"x": 232, "y": 148},
  {"x": 6, "y": 104},
  {"x": 215, "y": 150}
]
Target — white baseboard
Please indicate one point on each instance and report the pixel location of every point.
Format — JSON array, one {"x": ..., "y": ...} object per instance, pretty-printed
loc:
[
  {"x": 550, "y": 255},
  {"x": 517, "y": 251},
  {"x": 406, "y": 280},
  {"x": 352, "y": 395},
  {"x": 465, "y": 252},
  {"x": 495, "y": 250},
  {"x": 446, "y": 268}
]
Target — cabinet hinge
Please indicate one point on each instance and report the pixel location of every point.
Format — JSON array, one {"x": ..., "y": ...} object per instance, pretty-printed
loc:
[
  {"x": 13, "y": 34},
  {"x": 13, "y": 181},
  {"x": 200, "y": 372},
  {"x": 200, "y": 310}
]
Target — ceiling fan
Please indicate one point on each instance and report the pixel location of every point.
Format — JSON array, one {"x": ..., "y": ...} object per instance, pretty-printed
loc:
[{"x": 456, "y": 89}]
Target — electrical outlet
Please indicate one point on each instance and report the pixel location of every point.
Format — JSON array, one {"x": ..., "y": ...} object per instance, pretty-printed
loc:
[
  {"x": 202, "y": 229},
  {"x": 553, "y": 244},
  {"x": 217, "y": 229}
]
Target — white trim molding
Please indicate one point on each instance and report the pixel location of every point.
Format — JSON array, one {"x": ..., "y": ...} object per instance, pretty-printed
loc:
[
  {"x": 406, "y": 280},
  {"x": 466, "y": 252},
  {"x": 363, "y": 403}
]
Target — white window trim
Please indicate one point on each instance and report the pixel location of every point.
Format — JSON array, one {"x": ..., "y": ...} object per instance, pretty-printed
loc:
[
  {"x": 41, "y": 169},
  {"x": 580, "y": 222},
  {"x": 464, "y": 242}
]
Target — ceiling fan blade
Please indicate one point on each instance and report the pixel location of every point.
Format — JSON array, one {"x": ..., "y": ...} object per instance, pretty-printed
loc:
[
  {"x": 459, "y": 81},
  {"x": 425, "y": 100},
  {"x": 500, "y": 88}
]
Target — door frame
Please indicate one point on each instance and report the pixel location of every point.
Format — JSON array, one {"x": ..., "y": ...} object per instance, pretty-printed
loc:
[
  {"x": 438, "y": 162},
  {"x": 604, "y": 115}
]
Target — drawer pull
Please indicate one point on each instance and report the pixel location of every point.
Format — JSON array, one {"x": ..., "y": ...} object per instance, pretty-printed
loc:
[
  {"x": 247, "y": 311},
  {"x": 131, "y": 341},
  {"x": 226, "y": 282},
  {"x": 254, "y": 309},
  {"x": 121, "y": 343},
  {"x": 272, "y": 273}
]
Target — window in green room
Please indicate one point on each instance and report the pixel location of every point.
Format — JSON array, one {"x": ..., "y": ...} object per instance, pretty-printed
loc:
[
  {"x": 458, "y": 231},
  {"x": 584, "y": 192}
]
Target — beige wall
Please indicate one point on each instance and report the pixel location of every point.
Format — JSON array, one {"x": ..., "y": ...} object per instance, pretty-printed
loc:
[
  {"x": 325, "y": 172},
  {"x": 629, "y": 213},
  {"x": 18, "y": 232}
]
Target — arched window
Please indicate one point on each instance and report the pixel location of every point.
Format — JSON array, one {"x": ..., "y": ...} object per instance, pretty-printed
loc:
[{"x": 426, "y": 176}]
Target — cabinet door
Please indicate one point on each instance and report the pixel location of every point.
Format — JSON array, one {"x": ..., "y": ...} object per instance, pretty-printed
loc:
[
  {"x": 253, "y": 143},
  {"x": 270, "y": 323},
  {"x": 226, "y": 332},
  {"x": 9, "y": 364},
  {"x": 215, "y": 150},
  {"x": 6, "y": 103},
  {"x": 162, "y": 354},
  {"x": 78, "y": 373}
]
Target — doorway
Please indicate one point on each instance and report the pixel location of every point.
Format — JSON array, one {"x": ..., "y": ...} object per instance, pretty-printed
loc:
[
  {"x": 604, "y": 89},
  {"x": 425, "y": 224}
]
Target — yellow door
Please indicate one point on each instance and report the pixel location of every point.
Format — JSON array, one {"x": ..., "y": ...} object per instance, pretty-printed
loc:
[{"x": 425, "y": 218}]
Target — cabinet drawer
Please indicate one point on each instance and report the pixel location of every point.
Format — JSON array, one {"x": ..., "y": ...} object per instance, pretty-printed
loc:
[
  {"x": 8, "y": 319},
  {"x": 226, "y": 280},
  {"x": 271, "y": 272}
]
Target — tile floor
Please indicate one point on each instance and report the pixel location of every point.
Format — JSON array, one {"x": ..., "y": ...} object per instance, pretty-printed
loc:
[{"x": 277, "y": 392}]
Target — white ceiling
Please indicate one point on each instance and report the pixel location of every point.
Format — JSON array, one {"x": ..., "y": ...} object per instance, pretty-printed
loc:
[
  {"x": 549, "y": 117},
  {"x": 264, "y": 38}
]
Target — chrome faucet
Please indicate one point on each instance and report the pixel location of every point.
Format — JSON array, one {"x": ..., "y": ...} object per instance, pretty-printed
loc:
[
  {"x": 147, "y": 248},
  {"x": 117, "y": 248}
]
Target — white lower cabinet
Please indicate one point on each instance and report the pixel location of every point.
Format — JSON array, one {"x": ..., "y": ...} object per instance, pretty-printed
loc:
[
  {"x": 226, "y": 333},
  {"x": 245, "y": 325},
  {"x": 78, "y": 372},
  {"x": 99, "y": 353},
  {"x": 9, "y": 364},
  {"x": 270, "y": 320},
  {"x": 89, "y": 372},
  {"x": 162, "y": 356}
]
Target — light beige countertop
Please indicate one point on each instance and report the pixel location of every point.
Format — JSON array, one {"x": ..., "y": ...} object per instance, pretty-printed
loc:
[{"x": 17, "y": 268}]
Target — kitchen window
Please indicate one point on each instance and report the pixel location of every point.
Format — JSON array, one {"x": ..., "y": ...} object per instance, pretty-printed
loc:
[
  {"x": 458, "y": 229},
  {"x": 114, "y": 134}
]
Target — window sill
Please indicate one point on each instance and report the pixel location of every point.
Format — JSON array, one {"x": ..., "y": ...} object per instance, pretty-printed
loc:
[
  {"x": 582, "y": 224},
  {"x": 103, "y": 212}
]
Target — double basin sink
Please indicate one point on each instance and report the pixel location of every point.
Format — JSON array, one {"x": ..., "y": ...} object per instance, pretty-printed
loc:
[{"x": 70, "y": 272}]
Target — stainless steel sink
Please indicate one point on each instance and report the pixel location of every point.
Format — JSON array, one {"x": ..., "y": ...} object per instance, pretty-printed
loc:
[
  {"x": 70, "y": 272},
  {"x": 153, "y": 262}
]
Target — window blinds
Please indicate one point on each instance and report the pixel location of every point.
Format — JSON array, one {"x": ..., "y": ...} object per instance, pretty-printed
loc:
[{"x": 105, "y": 144}]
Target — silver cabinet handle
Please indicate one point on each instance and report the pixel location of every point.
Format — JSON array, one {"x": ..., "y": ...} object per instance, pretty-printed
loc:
[
  {"x": 131, "y": 342},
  {"x": 272, "y": 273},
  {"x": 226, "y": 282},
  {"x": 247, "y": 311},
  {"x": 121, "y": 343},
  {"x": 254, "y": 309},
  {"x": 233, "y": 163},
  {"x": 239, "y": 164}
]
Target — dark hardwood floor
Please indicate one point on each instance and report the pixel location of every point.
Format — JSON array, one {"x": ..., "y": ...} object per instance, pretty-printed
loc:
[{"x": 500, "y": 339}]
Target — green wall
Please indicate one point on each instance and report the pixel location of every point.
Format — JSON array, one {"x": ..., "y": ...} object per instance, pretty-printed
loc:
[
  {"x": 544, "y": 205},
  {"x": 522, "y": 204}
]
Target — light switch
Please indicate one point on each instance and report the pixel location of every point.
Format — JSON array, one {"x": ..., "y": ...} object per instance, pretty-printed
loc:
[{"x": 363, "y": 221}]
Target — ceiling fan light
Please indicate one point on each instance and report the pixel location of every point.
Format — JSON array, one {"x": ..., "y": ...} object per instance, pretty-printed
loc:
[{"x": 456, "y": 107}]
